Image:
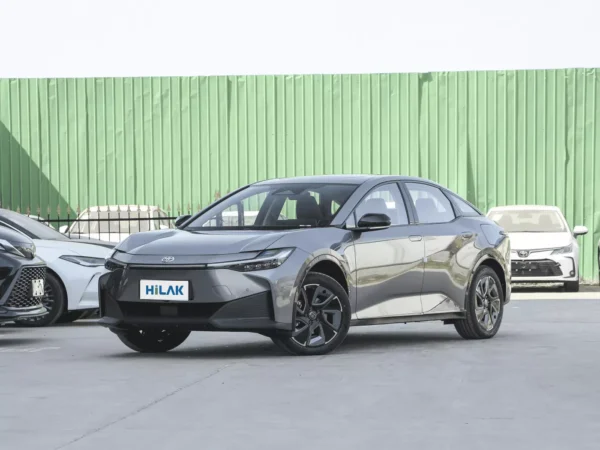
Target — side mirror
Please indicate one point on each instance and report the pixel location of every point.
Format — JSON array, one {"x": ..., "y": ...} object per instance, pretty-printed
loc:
[
  {"x": 372, "y": 221},
  {"x": 182, "y": 219},
  {"x": 580, "y": 230},
  {"x": 63, "y": 229}
]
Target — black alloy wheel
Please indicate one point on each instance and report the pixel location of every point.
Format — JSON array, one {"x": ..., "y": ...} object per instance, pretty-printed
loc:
[
  {"x": 484, "y": 306},
  {"x": 55, "y": 300},
  {"x": 321, "y": 317}
]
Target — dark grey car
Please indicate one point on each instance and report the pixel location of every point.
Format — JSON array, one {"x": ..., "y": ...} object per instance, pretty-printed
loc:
[{"x": 318, "y": 255}]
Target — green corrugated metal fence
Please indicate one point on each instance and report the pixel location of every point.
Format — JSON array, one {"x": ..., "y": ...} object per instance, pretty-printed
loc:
[{"x": 495, "y": 137}]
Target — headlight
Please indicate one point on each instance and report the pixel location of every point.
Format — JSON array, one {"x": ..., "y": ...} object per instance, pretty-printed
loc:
[
  {"x": 269, "y": 259},
  {"x": 563, "y": 250},
  {"x": 21, "y": 249},
  {"x": 86, "y": 261}
]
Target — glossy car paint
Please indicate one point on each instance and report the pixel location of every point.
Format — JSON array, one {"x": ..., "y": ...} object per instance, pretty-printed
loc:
[{"x": 415, "y": 270}]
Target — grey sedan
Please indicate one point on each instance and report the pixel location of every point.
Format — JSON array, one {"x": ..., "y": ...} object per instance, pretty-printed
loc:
[{"x": 317, "y": 255}]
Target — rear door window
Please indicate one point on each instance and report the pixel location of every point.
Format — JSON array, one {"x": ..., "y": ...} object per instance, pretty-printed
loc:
[{"x": 431, "y": 204}]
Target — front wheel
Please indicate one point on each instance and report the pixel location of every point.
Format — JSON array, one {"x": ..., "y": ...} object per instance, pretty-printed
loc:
[
  {"x": 152, "y": 341},
  {"x": 55, "y": 301},
  {"x": 321, "y": 317},
  {"x": 484, "y": 306}
]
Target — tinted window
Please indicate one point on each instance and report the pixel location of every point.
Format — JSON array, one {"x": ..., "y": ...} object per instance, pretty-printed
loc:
[
  {"x": 464, "y": 207},
  {"x": 290, "y": 205},
  {"x": 431, "y": 204},
  {"x": 387, "y": 200}
]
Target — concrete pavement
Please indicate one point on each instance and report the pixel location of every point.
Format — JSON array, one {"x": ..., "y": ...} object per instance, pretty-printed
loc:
[{"x": 417, "y": 386}]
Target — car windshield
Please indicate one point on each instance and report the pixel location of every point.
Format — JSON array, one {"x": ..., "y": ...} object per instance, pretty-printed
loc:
[
  {"x": 274, "y": 206},
  {"x": 31, "y": 227},
  {"x": 92, "y": 222},
  {"x": 529, "y": 221}
]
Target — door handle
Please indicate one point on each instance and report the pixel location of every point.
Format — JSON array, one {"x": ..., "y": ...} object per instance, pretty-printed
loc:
[
  {"x": 415, "y": 238},
  {"x": 467, "y": 235}
]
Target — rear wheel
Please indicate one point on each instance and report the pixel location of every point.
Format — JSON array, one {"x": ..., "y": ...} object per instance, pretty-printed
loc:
[
  {"x": 572, "y": 286},
  {"x": 484, "y": 306},
  {"x": 54, "y": 300},
  {"x": 152, "y": 341},
  {"x": 321, "y": 317}
]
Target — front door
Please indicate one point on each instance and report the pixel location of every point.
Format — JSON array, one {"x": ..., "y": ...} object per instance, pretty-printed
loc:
[{"x": 389, "y": 262}]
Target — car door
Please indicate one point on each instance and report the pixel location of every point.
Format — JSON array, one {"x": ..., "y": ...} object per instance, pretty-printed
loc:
[
  {"x": 389, "y": 262},
  {"x": 444, "y": 237}
]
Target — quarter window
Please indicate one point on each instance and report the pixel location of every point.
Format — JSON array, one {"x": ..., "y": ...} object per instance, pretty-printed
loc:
[
  {"x": 431, "y": 204},
  {"x": 387, "y": 200},
  {"x": 464, "y": 207}
]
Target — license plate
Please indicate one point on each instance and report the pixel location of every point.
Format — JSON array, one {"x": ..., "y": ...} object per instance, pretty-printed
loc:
[
  {"x": 164, "y": 290},
  {"x": 37, "y": 288}
]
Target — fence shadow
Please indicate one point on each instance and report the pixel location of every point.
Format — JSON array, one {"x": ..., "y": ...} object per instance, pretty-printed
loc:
[{"x": 23, "y": 184}]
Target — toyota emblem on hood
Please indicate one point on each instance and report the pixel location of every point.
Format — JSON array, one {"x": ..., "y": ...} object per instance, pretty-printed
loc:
[
  {"x": 523, "y": 253},
  {"x": 168, "y": 259}
]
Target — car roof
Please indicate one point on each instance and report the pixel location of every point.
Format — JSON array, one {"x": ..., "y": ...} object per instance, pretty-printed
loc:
[
  {"x": 525, "y": 208},
  {"x": 341, "y": 179}
]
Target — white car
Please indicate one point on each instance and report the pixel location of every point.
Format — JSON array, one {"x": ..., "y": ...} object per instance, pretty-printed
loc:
[
  {"x": 544, "y": 249},
  {"x": 114, "y": 223},
  {"x": 39, "y": 219},
  {"x": 74, "y": 267}
]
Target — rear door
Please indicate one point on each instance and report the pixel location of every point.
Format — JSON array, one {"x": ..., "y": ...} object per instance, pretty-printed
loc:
[
  {"x": 444, "y": 236},
  {"x": 389, "y": 262}
]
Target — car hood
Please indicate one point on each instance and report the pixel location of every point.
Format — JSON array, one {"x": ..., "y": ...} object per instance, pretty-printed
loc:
[
  {"x": 195, "y": 243},
  {"x": 74, "y": 248},
  {"x": 86, "y": 240},
  {"x": 535, "y": 241}
]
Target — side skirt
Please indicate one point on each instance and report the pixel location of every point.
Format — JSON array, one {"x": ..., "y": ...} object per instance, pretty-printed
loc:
[{"x": 446, "y": 317}]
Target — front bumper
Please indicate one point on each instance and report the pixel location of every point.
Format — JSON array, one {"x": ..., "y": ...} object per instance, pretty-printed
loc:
[
  {"x": 12, "y": 314},
  {"x": 220, "y": 299},
  {"x": 16, "y": 301},
  {"x": 544, "y": 269},
  {"x": 89, "y": 296}
]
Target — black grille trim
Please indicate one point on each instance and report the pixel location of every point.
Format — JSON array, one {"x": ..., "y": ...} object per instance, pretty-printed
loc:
[
  {"x": 20, "y": 296},
  {"x": 535, "y": 268}
]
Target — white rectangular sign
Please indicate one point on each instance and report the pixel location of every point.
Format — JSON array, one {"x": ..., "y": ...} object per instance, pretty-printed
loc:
[{"x": 164, "y": 290}]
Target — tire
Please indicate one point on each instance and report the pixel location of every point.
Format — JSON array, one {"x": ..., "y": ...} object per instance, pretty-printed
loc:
[
  {"x": 152, "y": 341},
  {"x": 71, "y": 316},
  {"x": 572, "y": 286},
  {"x": 55, "y": 301},
  {"x": 484, "y": 306},
  {"x": 321, "y": 317}
]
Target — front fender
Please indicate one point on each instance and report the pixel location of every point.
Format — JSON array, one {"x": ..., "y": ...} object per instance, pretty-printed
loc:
[{"x": 334, "y": 257}]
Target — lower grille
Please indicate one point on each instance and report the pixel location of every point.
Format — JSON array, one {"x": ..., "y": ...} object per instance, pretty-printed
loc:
[
  {"x": 536, "y": 268},
  {"x": 161, "y": 309},
  {"x": 21, "y": 295}
]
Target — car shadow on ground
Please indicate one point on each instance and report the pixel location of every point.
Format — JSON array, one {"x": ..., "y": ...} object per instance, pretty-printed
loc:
[
  {"x": 550, "y": 288},
  {"x": 78, "y": 323},
  {"x": 6, "y": 342},
  {"x": 354, "y": 343}
]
